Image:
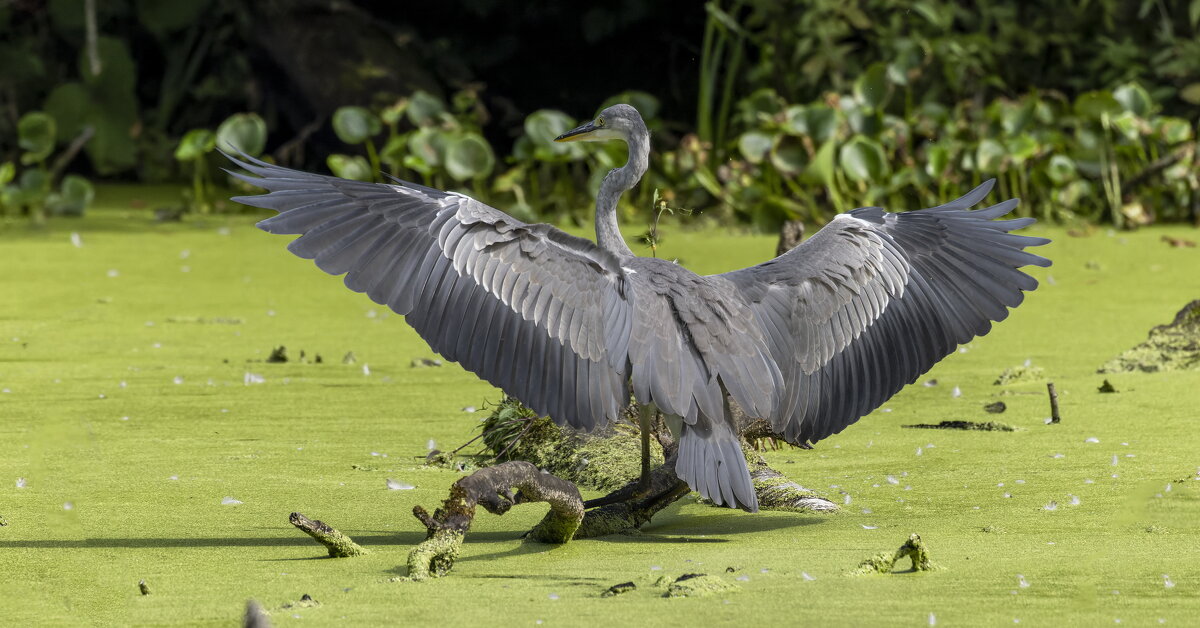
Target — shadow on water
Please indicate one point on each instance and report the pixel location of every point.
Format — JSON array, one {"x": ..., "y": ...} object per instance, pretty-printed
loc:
[{"x": 691, "y": 528}]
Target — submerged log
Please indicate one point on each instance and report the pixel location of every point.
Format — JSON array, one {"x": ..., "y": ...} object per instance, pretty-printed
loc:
[{"x": 493, "y": 489}]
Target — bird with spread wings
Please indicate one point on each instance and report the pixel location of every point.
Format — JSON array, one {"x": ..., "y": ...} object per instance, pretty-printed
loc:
[{"x": 809, "y": 341}]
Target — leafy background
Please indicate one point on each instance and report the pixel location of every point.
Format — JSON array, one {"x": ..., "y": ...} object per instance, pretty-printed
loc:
[{"x": 762, "y": 111}]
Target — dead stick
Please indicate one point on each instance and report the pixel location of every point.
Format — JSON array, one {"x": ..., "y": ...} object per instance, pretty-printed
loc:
[
  {"x": 1054, "y": 416},
  {"x": 338, "y": 544}
]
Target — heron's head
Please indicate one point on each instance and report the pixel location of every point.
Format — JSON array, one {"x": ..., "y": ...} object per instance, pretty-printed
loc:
[{"x": 618, "y": 122}]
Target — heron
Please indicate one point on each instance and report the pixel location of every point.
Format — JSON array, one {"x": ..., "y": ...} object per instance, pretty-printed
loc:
[{"x": 810, "y": 341}]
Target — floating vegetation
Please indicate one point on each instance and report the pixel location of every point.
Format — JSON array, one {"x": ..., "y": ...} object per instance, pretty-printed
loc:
[
  {"x": 996, "y": 407},
  {"x": 697, "y": 585},
  {"x": 1020, "y": 375},
  {"x": 1171, "y": 347}
]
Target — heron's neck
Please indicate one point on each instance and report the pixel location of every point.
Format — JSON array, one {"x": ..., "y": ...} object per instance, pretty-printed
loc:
[{"x": 608, "y": 235}]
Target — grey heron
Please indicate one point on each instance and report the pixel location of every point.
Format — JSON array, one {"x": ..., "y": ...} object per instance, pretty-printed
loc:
[{"x": 811, "y": 340}]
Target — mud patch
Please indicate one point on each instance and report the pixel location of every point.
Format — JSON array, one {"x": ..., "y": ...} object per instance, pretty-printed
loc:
[
  {"x": 985, "y": 426},
  {"x": 1171, "y": 347}
]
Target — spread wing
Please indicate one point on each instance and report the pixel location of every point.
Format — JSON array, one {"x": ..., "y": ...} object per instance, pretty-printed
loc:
[
  {"x": 875, "y": 299},
  {"x": 535, "y": 311}
]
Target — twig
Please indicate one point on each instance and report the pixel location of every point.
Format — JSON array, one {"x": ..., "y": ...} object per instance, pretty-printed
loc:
[
  {"x": 73, "y": 149},
  {"x": 338, "y": 544},
  {"x": 1054, "y": 416},
  {"x": 1153, "y": 168}
]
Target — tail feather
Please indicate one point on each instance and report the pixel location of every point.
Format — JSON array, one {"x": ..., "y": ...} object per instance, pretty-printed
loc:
[{"x": 712, "y": 463}]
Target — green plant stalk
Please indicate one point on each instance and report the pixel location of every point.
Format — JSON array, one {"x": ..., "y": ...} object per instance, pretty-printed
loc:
[
  {"x": 731, "y": 74},
  {"x": 199, "y": 193},
  {"x": 705, "y": 95},
  {"x": 373, "y": 157}
]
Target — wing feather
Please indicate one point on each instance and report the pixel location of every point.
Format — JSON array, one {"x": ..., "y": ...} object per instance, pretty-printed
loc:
[
  {"x": 535, "y": 311},
  {"x": 874, "y": 300}
]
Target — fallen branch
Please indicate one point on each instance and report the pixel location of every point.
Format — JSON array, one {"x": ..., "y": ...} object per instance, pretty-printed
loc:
[
  {"x": 338, "y": 544},
  {"x": 913, "y": 549},
  {"x": 493, "y": 488}
]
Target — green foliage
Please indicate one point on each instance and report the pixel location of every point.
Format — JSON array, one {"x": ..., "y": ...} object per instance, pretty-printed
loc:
[
  {"x": 30, "y": 191},
  {"x": 195, "y": 144},
  {"x": 36, "y": 133},
  {"x": 355, "y": 125},
  {"x": 240, "y": 132},
  {"x": 243, "y": 132},
  {"x": 351, "y": 167}
]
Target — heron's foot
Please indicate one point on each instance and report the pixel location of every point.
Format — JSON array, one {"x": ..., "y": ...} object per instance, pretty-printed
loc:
[{"x": 622, "y": 516}]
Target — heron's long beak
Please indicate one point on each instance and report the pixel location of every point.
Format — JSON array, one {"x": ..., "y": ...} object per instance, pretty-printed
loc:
[{"x": 578, "y": 133}]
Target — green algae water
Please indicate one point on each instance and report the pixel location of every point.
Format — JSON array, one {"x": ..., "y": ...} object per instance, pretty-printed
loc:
[{"x": 144, "y": 436}]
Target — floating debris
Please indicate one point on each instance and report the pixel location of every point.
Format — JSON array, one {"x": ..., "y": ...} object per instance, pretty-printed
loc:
[
  {"x": 995, "y": 407},
  {"x": 1021, "y": 582},
  {"x": 143, "y": 587},
  {"x": 366, "y": 370},
  {"x": 349, "y": 358},
  {"x": 986, "y": 426},
  {"x": 553, "y": 596},
  {"x": 891, "y": 479},
  {"x": 1091, "y": 439},
  {"x": 178, "y": 379},
  {"x": 398, "y": 486},
  {"x": 1053, "y": 505},
  {"x": 229, "y": 501},
  {"x": 278, "y": 355},
  {"x": 804, "y": 574},
  {"x": 930, "y": 383},
  {"x": 20, "y": 482},
  {"x": 253, "y": 378},
  {"x": 424, "y": 362},
  {"x": 469, "y": 409},
  {"x": 618, "y": 589},
  {"x": 1074, "y": 500},
  {"x": 1106, "y": 387},
  {"x": 76, "y": 241},
  {"x": 1167, "y": 582}
]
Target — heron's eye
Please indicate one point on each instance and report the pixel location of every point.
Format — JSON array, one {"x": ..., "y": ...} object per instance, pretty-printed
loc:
[{"x": 600, "y": 122}]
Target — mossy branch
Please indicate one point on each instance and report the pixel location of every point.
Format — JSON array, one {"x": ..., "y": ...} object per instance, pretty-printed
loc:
[
  {"x": 493, "y": 489},
  {"x": 338, "y": 544},
  {"x": 913, "y": 549}
]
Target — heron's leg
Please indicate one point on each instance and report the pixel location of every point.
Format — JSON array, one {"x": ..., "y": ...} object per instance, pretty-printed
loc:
[{"x": 646, "y": 415}]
